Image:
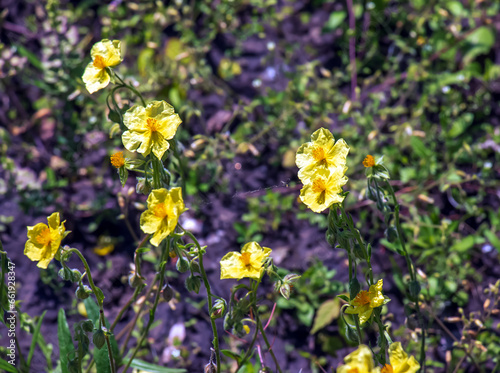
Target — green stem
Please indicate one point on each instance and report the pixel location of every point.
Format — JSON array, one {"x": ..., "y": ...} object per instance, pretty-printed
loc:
[
  {"x": 269, "y": 347},
  {"x": 209, "y": 297},
  {"x": 156, "y": 163},
  {"x": 111, "y": 361},
  {"x": 412, "y": 271},
  {"x": 95, "y": 290},
  {"x": 249, "y": 349},
  {"x": 131, "y": 87},
  {"x": 152, "y": 312}
]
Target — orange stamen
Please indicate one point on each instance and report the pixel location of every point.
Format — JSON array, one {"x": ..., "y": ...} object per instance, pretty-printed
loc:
[{"x": 369, "y": 161}]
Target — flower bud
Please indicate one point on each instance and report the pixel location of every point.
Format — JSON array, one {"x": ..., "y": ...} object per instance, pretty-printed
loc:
[
  {"x": 143, "y": 186},
  {"x": 331, "y": 237},
  {"x": 359, "y": 252},
  {"x": 167, "y": 293},
  {"x": 195, "y": 267},
  {"x": 83, "y": 292},
  {"x": 391, "y": 234},
  {"x": 99, "y": 339},
  {"x": 65, "y": 274},
  {"x": 87, "y": 326},
  {"x": 218, "y": 309},
  {"x": 182, "y": 264},
  {"x": 285, "y": 290},
  {"x": 76, "y": 275},
  {"x": 193, "y": 283},
  {"x": 134, "y": 280}
]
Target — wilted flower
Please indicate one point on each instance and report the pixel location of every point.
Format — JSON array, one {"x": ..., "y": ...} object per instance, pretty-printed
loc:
[
  {"x": 400, "y": 362},
  {"x": 105, "y": 54},
  {"x": 324, "y": 189},
  {"x": 150, "y": 127},
  {"x": 322, "y": 153},
  {"x": 44, "y": 241},
  {"x": 248, "y": 263},
  {"x": 359, "y": 361},
  {"x": 164, "y": 209},
  {"x": 364, "y": 303}
]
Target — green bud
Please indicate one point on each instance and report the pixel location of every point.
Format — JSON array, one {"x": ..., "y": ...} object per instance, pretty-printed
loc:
[
  {"x": 391, "y": 234},
  {"x": 143, "y": 186},
  {"x": 218, "y": 309},
  {"x": 211, "y": 367},
  {"x": 76, "y": 275},
  {"x": 285, "y": 290},
  {"x": 182, "y": 264},
  {"x": 134, "y": 280},
  {"x": 99, "y": 339},
  {"x": 193, "y": 283},
  {"x": 88, "y": 326},
  {"x": 168, "y": 293},
  {"x": 65, "y": 274},
  {"x": 351, "y": 334},
  {"x": 228, "y": 322},
  {"x": 359, "y": 252},
  {"x": 195, "y": 267},
  {"x": 331, "y": 238},
  {"x": 83, "y": 292}
]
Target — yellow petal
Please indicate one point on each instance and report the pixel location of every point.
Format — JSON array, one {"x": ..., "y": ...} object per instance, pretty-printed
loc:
[
  {"x": 95, "y": 78},
  {"x": 135, "y": 118},
  {"x": 230, "y": 266},
  {"x": 131, "y": 140},
  {"x": 376, "y": 296},
  {"x": 159, "y": 145},
  {"x": 149, "y": 222},
  {"x": 169, "y": 125},
  {"x": 110, "y": 51},
  {"x": 360, "y": 361},
  {"x": 400, "y": 361}
]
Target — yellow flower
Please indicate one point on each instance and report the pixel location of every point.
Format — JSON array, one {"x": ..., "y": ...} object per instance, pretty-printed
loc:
[
  {"x": 164, "y": 209},
  {"x": 400, "y": 362},
  {"x": 369, "y": 161},
  {"x": 104, "y": 250},
  {"x": 248, "y": 263},
  {"x": 117, "y": 160},
  {"x": 105, "y": 53},
  {"x": 323, "y": 189},
  {"x": 359, "y": 361},
  {"x": 44, "y": 241},
  {"x": 150, "y": 127},
  {"x": 366, "y": 301},
  {"x": 320, "y": 154}
]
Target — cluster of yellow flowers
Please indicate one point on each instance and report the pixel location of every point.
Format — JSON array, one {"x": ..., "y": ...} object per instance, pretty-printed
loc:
[
  {"x": 361, "y": 361},
  {"x": 322, "y": 167}
]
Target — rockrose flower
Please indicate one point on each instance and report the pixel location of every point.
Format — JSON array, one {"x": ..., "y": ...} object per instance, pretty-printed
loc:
[
  {"x": 359, "y": 361},
  {"x": 105, "y": 54},
  {"x": 322, "y": 153},
  {"x": 164, "y": 208},
  {"x": 150, "y": 127},
  {"x": 248, "y": 263},
  {"x": 324, "y": 188},
  {"x": 366, "y": 301},
  {"x": 44, "y": 241}
]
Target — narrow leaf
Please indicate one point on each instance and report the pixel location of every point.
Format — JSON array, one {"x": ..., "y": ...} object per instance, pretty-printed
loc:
[{"x": 66, "y": 346}]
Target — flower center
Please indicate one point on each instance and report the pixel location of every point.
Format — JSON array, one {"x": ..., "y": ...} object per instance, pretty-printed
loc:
[
  {"x": 160, "y": 211},
  {"x": 362, "y": 298},
  {"x": 318, "y": 153},
  {"x": 387, "y": 369},
  {"x": 99, "y": 62},
  {"x": 152, "y": 124},
  {"x": 319, "y": 185},
  {"x": 117, "y": 159},
  {"x": 43, "y": 237},
  {"x": 353, "y": 370},
  {"x": 245, "y": 258}
]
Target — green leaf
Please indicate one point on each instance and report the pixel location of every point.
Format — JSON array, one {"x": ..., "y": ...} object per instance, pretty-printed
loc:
[
  {"x": 480, "y": 42},
  {"x": 35, "y": 338},
  {"x": 494, "y": 240},
  {"x": 123, "y": 173},
  {"x": 344, "y": 297},
  {"x": 232, "y": 355},
  {"x": 327, "y": 312},
  {"x": 7, "y": 367},
  {"x": 335, "y": 20},
  {"x": 65, "y": 342},
  {"x": 144, "y": 366},
  {"x": 464, "y": 244},
  {"x": 114, "y": 116},
  {"x": 32, "y": 58}
]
